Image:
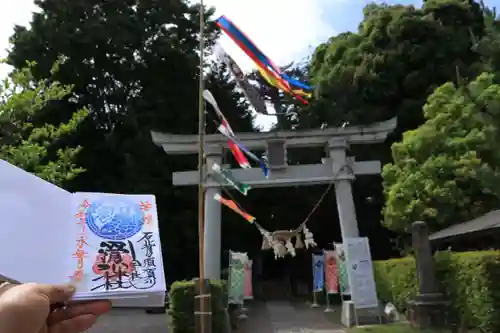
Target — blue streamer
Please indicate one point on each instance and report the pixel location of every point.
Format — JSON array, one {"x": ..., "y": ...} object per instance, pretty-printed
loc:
[{"x": 296, "y": 83}]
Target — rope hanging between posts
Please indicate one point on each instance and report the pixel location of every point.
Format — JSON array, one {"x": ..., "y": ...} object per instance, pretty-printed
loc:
[{"x": 281, "y": 240}]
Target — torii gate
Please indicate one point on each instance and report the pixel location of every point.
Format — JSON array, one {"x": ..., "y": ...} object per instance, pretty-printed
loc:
[{"x": 335, "y": 140}]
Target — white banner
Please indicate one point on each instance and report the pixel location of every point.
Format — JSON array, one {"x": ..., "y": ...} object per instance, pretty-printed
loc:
[{"x": 360, "y": 273}]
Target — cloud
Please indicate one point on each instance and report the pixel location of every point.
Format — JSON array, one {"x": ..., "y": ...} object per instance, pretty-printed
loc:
[
  {"x": 10, "y": 15},
  {"x": 285, "y": 30}
]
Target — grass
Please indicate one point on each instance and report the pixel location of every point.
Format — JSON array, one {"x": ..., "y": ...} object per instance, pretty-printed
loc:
[{"x": 395, "y": 328}]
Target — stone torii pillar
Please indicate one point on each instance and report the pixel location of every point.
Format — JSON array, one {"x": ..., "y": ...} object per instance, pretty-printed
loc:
[
  {"x": 337, "y": 167},
  {"x": 343, "y": 187},
  {"x": 213, "y": 219}
]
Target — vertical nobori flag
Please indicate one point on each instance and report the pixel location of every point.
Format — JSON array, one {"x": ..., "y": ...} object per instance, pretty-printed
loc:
[
  {"x": 236, "y": 294},
  {"x": 332, "y": 282},
  {"x": 318, "y": 272},
  {"x": 249, "y": 91},
  {"x": 345, "y": 287},
  {"x": 248, "y": 280},
  {"x": 233, "y": 206},
  {"x": 226, "y": 175}
]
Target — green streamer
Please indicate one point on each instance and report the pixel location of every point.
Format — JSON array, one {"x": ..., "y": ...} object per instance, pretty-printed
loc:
[{"x": 228, "y": 177}]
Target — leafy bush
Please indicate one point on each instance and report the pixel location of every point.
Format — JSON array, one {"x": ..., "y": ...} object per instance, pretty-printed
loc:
[
  {"x": 468, "y": 279},
  {"x": 182, "y": 300}
]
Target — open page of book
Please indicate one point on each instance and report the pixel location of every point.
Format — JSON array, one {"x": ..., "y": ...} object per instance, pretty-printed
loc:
[
  {"x": 117, "y": 248},
  {"x": 36, "y": 227}
]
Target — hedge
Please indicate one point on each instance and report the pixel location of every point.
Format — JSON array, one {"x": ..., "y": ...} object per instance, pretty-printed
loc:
[
  {"x": 470, "y": 280},
  {"x": 182, "y": 306}
]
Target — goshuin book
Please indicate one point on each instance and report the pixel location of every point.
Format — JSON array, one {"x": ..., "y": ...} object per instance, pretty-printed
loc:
[{"x": 108, "y": 245}]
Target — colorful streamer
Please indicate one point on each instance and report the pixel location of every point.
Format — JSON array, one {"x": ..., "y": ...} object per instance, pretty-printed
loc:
[
  {"x": 233, "y": 206},
  {"x": 296, "y": 83},
  {"x": 252, "y": 95},
  {"x": 238, "y": 155},
  {"x": 252, "y": 156},
  {"x": 318, "y": 272},
  {"x": 263, "y": 62},
  {"x": 235, "y": 150},
  {"x": 235, "y": 147},
  {"x": 271, "y": 80},
  {"x": 227, "y": 176}
]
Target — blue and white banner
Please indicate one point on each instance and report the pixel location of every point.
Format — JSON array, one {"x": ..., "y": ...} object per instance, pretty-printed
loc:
[{"x": 318, "y": 262}]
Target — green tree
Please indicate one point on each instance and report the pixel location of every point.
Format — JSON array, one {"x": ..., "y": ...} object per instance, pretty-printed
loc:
[
  {"x": 447, "y": 170},
  {"x": 134, "y": 64},
  {"x": 489, "y": 46},
  {"x": 398, "y": 56},
  {"x": 28, "y": 146}
]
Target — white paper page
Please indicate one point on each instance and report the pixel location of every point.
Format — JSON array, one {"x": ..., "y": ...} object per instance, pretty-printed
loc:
[
  {"x": 131, "y": 297},
  {"x": 151, "y": 300},
  {"x": 36, "y": 221},
  {"x": 118, "y": 239}
]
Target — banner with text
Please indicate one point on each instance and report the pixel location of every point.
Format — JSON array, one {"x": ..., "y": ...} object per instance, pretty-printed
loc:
[
  {"x": 342, "y": 269},
  {"x": 360, "y": 272},
  {"x": 331, "y": 273},
  {"x": 318, "y": 272}
]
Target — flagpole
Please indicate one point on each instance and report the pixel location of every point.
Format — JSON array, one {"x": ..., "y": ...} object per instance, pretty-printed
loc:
[
  {"x": 203, "y": 296},
  {"x": 201, "y": 149}
]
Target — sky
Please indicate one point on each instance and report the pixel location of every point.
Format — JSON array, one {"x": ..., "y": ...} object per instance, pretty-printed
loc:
[{"x": 298, "y": 25}]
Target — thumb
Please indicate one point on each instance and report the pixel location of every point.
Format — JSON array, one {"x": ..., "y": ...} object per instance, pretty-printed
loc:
[{"x": 56, "y": 293}]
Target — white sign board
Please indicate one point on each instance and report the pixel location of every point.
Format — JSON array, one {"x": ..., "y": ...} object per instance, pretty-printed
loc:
[{"x": 360, "y": 273}]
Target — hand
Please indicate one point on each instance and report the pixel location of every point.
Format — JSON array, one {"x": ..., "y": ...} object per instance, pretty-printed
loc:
[{"x": 25, "y": 308}]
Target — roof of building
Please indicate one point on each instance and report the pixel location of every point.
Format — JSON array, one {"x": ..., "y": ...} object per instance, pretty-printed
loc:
[{"x": 490, "y": 220}]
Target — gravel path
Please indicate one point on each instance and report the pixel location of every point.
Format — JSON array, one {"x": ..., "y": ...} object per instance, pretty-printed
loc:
[{"x": 131, "y": 321}]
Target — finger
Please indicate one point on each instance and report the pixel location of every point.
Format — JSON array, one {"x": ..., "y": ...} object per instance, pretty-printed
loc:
[
  {"x": 56, "y": 293},
  {"x": 4, "y": 286},
  {"x": 74, "y": 325},
  {"x": 96, "y": 308}
]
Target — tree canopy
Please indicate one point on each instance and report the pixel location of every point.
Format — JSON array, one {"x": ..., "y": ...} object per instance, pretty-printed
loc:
[
  {"x": 447, "y": 170},
  {"x": 35, "y": 147},
  {"x": 398, "y": 56}
]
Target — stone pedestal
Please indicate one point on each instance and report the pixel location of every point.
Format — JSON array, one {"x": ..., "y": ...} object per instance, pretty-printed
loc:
[{"x": 428, "y": 310}]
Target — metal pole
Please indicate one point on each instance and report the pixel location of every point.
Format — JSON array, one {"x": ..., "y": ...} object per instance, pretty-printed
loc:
[
  {"x": 201, "y": 169},
  {"x": 328, "y": 307},
  {"x": 315, "y": 301}
]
